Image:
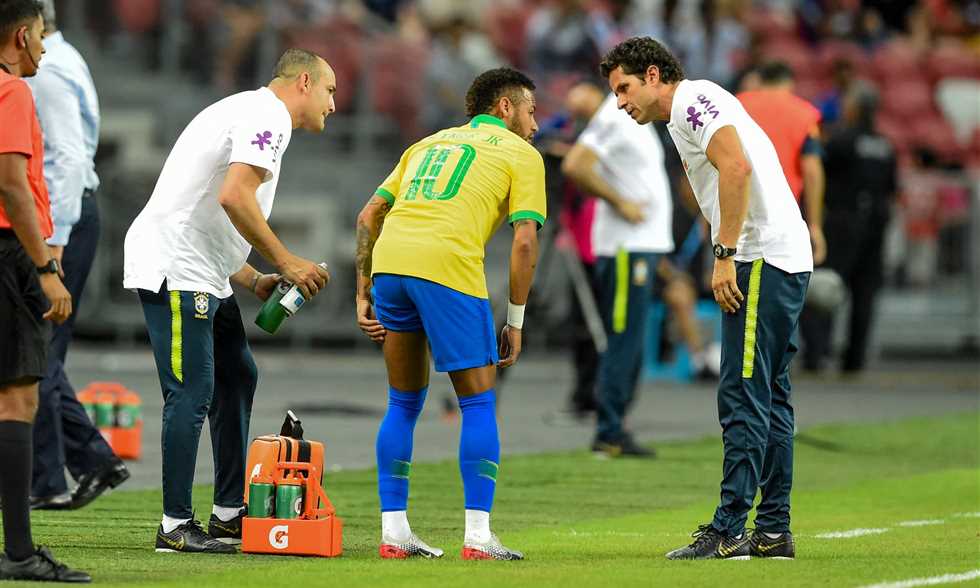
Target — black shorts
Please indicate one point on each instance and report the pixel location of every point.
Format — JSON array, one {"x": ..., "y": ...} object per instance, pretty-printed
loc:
[{"x": 23, "y": 333}]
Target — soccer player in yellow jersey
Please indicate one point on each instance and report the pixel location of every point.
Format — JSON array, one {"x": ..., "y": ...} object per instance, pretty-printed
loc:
[{"x": 423, "y": 277}]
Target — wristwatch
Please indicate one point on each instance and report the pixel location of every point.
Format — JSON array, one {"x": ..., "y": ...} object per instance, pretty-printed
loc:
[
  {"x": 722, "y": 252},
  {"x": 51, "y": 267}
]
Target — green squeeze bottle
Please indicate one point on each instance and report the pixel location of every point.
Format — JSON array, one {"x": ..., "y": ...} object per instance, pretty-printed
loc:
[{"x": 284, "y": 302}]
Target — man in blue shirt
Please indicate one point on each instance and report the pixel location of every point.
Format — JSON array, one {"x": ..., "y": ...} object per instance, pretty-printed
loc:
[{"x": 68, "y": 109}]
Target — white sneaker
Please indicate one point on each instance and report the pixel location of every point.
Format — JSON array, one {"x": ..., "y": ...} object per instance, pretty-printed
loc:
[
  {"x": 490, "y": 550},
  {"x": 413, "y": 547}
]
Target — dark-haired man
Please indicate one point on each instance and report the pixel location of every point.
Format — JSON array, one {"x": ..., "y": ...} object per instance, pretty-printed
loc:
[
  {"x": 31, "y": 291},
  {"x": 182, "y": 253},
  {"x": 762, "y": 248},
  {"x": 424, "y": 278}
]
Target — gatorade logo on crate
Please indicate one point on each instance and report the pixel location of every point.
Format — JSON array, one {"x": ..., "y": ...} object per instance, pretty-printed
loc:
[{"x": 279, "y": 536}]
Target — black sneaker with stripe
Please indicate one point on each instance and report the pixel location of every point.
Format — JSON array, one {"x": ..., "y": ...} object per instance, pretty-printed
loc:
[
  {"x": 190, "y": 538},
  {"x": 709, "y": 543},
  {"x": 782, "y": 547},
  {"x": 229, "y": 532}
]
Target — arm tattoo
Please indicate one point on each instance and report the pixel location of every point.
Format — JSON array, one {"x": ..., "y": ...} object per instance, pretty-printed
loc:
[{"x": 367, "y": 235}]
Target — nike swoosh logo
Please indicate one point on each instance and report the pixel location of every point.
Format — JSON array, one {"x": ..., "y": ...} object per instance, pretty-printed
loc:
[
  {"x": 178, "y": 545},
  {"x": 770, "y": 546},
  {"x": 225, "y": 529}
]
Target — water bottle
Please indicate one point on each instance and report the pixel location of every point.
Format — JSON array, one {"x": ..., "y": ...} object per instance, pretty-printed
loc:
[{"x": 284, "y": 302}]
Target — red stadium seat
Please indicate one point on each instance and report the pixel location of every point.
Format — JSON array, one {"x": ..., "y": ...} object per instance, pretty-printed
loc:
[
  {"x": 138, "y": 16},
  {"x": 896, "y": 61},
  {"x": 834, "y": 50},
  {"x": 952, "y": 60},
  {"x": 772, "y": 25},
  {"x": 506, "y": 25},
  {"x": 341, "y": 42},
  {"x": 908, "y": 99},
  {"x": 798, "y": 56},
  {"x": 397, "y": 68},
  {"x": 936, "y": 134}
]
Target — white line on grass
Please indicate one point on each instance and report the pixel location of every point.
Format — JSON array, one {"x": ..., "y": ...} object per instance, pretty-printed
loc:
[
  {"x": 851, "y": 534},
  {"x": 967, "y": 515},
  {"x": 947, "y": 579},
  {"x": 921, "y": 523}
]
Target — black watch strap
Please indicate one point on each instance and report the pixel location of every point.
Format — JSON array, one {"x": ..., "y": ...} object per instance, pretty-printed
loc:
[
  {"x": 51, "y": 267},
  {"x": 722, "y": 252}
]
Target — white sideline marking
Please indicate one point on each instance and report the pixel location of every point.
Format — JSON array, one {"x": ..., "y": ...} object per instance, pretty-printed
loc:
[
  {"x": 921, "y": 523},
  {"x": 947, "y": 579},
  {"x": 851, "y": 534},
  {"x": 967, "y": 515}
]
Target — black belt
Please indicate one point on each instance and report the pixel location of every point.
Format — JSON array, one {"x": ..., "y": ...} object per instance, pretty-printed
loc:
[{"x": 7, "y": 234}]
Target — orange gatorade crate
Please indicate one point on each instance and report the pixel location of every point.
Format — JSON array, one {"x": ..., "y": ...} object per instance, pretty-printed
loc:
[
  {"x": 318, "y": 531},
  {"x": 267, "y": 451}
]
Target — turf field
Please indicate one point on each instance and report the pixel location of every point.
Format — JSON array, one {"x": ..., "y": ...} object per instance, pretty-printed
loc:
[{"x": 909, "y": 491}]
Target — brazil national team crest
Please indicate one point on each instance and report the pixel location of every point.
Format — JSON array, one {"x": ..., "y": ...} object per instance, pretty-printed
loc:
[{"x": 201, "y": 305}]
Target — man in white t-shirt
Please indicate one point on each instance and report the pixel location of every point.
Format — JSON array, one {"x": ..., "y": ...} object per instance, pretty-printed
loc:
[
  {"x": 762, "y": 248},
  {"x": 622, "y": 164},
  {"x": 209, "y": 208}
]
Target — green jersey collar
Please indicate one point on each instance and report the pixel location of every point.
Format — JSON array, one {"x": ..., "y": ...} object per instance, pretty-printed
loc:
[{"x": 487, "y": 119}]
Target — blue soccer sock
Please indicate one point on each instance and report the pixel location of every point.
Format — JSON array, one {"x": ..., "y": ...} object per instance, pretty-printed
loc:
[
  {"x": 394, "y": 447},
  {"x": 479, "y": 449}
]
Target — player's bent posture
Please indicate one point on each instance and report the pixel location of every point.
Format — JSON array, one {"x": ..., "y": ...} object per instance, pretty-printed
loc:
[
  {"x": 182, "y": 253},
  {"x": 762, "y": 248},
  {"x": 422, "y": 278}
]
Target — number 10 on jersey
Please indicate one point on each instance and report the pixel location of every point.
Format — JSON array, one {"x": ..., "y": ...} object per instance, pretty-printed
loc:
[{"x": 433, "y": 165}]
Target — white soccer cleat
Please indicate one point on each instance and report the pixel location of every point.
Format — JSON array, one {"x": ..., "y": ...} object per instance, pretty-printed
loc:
[
  {"x": 492, "y": 549},
  {"x": 413, "y": 547}
]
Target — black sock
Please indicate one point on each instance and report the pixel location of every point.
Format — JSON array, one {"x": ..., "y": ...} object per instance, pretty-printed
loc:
[{"x": 15, "y": 488}]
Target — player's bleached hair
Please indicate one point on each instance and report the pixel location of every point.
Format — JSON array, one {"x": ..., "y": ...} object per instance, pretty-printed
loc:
[
  {"x": 16, "y": 13},
  {"x": 491, "y": 85},
  {"x": 296, "y": 61},
  {"x": 637, "y": 54}
]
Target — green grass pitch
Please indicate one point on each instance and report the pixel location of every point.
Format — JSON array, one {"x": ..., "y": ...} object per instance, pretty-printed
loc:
[{"x": 588, "y": 522}]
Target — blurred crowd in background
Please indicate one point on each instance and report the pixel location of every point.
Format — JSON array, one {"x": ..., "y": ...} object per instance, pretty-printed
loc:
[{"x": 406, "y": 65}]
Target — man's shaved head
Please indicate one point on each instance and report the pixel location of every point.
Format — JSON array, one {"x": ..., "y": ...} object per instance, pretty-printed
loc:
[{"x": 297, "y": 61}]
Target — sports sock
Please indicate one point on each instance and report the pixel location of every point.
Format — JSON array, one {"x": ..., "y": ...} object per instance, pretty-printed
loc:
[
  {"x": 477, "y": 526},
  {"x": 773, "y": 535},
  {"x": 394, "y": 447},
  {"x": 170, "y": 523},
  {"x": 394, "y": 526},
  {"x": 225, "y": 513},
  {"x": 16, "y": 455},
  {"x": 479, "y": 449}
]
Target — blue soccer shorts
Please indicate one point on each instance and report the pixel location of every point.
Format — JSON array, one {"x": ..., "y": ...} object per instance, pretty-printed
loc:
[{"x": 459, "y": 327}]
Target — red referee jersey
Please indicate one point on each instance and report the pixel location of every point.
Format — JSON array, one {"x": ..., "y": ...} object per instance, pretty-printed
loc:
[{"x": 22, "y": 134}]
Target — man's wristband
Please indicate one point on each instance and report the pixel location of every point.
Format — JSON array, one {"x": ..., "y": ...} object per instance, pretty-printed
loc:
[
  {"x": 255, "y": 280},
  {"x": 515, "y": 315}
]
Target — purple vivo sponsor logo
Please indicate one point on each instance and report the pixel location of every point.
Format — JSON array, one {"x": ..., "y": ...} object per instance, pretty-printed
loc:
[
  {"x": 263, "y": 139},
  {"x": 694, "y": 117}
]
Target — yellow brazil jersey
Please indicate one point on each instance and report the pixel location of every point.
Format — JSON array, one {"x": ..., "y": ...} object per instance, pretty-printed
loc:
[{"x": 449, "y": 193}]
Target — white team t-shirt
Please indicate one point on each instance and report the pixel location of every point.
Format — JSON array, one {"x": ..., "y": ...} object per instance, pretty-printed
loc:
[
  {"x": 631, "y": 160},
  {"x": 774, "y": 229},
  {"x": 183, "y": 235}
]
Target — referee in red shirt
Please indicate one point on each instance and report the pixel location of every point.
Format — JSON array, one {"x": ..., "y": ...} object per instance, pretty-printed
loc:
[{"x": 31, "y": 292}]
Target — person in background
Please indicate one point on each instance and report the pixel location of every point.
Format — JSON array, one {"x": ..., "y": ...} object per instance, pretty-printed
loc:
[
  {"x": 861, "y": 187},
  {"x": 68, "y": 110},
  {"x": 622, "y": 165}
]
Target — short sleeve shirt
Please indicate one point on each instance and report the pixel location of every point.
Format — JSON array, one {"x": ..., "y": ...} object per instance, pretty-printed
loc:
[
  {"x": 631, "y": 160},
  {"x": 22, "y": 134},
  {"x": 449, "y": 193},
  {"x": 183, "y": 235},
  {"x": 773, "y": 229}
]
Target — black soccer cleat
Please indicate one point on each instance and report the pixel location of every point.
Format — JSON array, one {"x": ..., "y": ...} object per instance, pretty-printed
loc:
[
  {"x": 229, "y": 532},
  {"x": 709, "y": 543},
  {"x": 93, "y": 484},
  {"x": 782, "y": 547},
  {"x": 190, "y": 538},
  {"x": 41, "y": 566}
]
